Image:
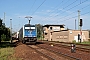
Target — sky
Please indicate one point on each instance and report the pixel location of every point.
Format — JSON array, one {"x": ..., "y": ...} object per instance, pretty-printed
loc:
[{"x": 45, "y": 12}]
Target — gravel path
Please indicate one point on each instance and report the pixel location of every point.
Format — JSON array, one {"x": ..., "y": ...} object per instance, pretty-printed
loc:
[{"x": 26, "y": 53}]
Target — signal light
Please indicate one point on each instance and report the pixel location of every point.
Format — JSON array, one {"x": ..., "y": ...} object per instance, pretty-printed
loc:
[{"x": 80, "y": 22}]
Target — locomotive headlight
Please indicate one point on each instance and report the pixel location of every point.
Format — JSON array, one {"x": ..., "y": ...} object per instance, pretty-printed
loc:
[{"x": 34, "y": 36}]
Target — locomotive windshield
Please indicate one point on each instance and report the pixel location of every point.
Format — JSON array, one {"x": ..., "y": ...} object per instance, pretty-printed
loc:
[{"x": 30, "y": 32}]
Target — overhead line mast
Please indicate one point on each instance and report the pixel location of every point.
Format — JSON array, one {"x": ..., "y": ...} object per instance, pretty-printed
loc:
[
  {"x": 78, "y": 19},
  {"x": 4, "y": 18}
]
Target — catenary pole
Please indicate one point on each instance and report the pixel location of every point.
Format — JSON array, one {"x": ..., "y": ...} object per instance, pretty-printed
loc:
[
  {"x": 11, "y": 29},
  {"x": 78, "y": 19}
]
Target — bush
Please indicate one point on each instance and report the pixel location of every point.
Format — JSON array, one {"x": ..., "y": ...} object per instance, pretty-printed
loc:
[
  {"x": 4, "y": 38},
  {"x": 74, "y": 41}
]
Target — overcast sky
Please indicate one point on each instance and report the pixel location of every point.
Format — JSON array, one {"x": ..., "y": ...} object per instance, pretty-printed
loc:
[{"x": 45, "y": 12}]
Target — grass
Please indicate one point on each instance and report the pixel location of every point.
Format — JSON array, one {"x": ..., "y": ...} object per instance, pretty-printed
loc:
[
  {"x": 85, "y": 43},
  {"x": 6, "y": 50},
  {"x": 5, "y": 44}
]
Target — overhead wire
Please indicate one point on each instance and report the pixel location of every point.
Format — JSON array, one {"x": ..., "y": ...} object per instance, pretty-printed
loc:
[
  {"x": 32, "y": 6},
  {"x": 75, "y": 16},
  {"x": 70, "y": 8},
  {"x": 64, "y": 8},
  {"x": 85, "y": 13},
  {"x": 73, "y": 7},
  {"x": 38, "y": 7},
  {"x": 74, "y": 12},
  {"x": 54, "y": 8},
  {"x": 58, "y": 5},
  {"x": 69, "y": 5},
  {"x": 30, "y": 10}
]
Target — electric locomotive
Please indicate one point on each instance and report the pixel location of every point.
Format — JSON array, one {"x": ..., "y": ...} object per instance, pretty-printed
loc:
[{"x": 28, "y": 33}]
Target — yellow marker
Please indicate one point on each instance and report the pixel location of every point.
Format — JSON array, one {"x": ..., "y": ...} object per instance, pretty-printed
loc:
[{"x": 51, "y": 45}]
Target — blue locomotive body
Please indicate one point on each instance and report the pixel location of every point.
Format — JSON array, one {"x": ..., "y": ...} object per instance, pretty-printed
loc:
[{"x": 28, "y": 33}]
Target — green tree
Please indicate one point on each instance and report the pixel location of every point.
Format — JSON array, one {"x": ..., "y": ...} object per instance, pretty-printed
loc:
[
  {"x": 0, "y": 29},
  {"x": 3, "y": 37},
  {"x": 39, "y": 30},
  {"x": 4, "y": 33}
]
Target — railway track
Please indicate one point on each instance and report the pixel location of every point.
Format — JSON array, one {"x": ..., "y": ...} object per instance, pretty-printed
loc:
[
  {"x": 50, "y": 51},
  {"x": 76, "y": 47},
  {"x": 36, "y": 49},
  {"x": 79, "y": 47},
  {"x": 79, "y": 55},
  {"x": 52, "y": 54}
]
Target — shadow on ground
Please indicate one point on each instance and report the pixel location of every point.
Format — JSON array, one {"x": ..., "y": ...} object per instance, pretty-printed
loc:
[
  {"x": 6, "y": 44},
  {"x": 33, "y": 43},
  {"x": 39, "y": 43}
]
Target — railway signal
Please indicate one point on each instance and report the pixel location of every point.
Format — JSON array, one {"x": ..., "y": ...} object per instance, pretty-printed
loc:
[
  {"x": 80, "y": 22},
  {"x": 80, "y": 29}
]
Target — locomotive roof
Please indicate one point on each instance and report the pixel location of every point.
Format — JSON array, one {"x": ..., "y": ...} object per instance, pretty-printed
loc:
[{"x": 28, "y": 25}]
